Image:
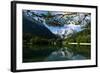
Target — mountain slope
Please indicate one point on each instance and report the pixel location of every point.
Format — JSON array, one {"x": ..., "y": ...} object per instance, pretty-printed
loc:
[{"x": 36, "y": 28}]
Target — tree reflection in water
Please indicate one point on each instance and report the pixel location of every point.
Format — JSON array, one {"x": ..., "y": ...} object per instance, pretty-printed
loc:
[{"x": 52, "y": 53}]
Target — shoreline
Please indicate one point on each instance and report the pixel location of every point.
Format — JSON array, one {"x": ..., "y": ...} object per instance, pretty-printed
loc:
[{"x": 80, "y": 43}]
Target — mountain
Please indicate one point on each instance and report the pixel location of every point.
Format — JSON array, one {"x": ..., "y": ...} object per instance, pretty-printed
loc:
[
  {"x": 36, "y": 28},
  {"x": 61, "y": 25}
]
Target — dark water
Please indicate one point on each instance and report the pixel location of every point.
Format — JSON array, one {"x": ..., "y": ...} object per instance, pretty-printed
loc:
[{"x": 54, "y": 53}]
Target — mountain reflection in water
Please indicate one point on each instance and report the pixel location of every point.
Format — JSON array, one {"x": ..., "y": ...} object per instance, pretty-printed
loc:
[
  {"x": 64, "y": 54},
  {"x": 53, "y": 53}
]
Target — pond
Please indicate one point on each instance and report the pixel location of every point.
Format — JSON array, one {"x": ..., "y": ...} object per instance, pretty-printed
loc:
[{"x": 37, "y": 53}]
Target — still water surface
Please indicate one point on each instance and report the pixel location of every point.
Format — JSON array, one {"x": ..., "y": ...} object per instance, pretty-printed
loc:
[{"x": 55, "y": 53}]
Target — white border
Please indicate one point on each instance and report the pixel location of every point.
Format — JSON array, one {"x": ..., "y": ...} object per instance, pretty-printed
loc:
[{"x": 38, "y": 65}]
